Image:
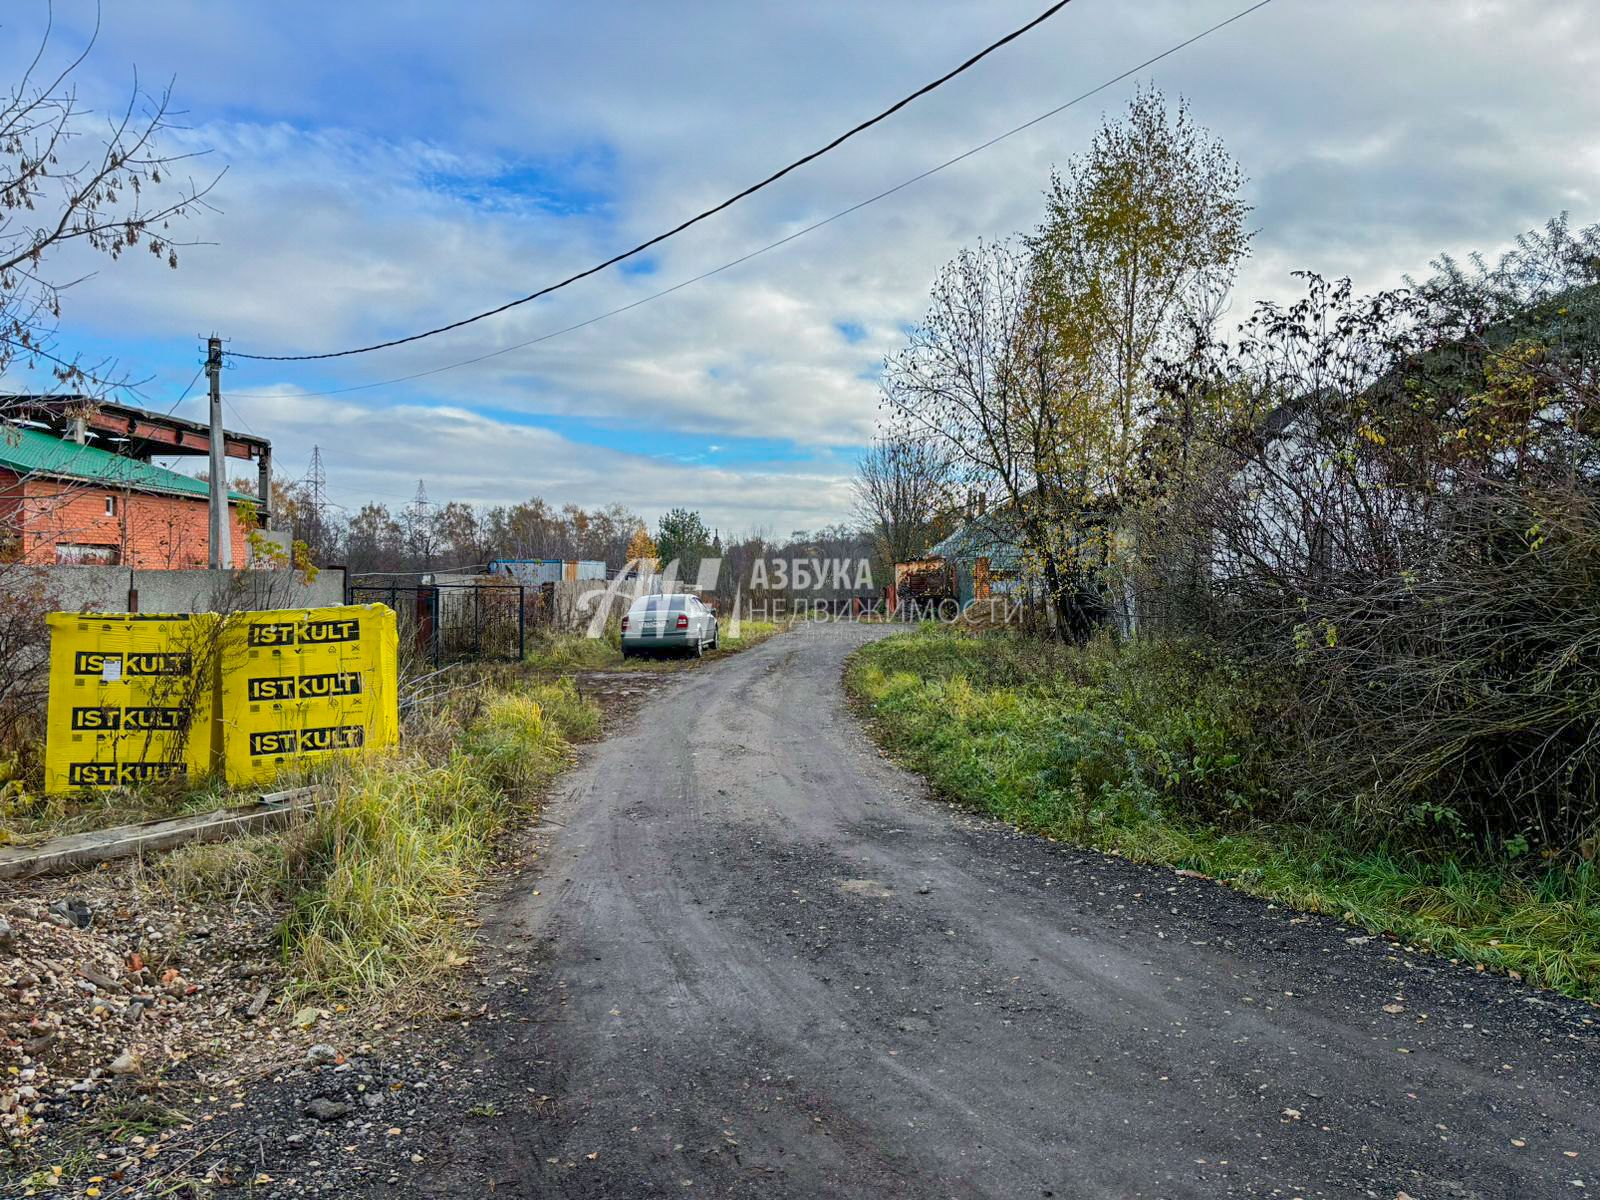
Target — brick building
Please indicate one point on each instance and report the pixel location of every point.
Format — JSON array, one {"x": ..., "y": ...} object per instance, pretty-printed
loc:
[{"x": 71, "y": 502}]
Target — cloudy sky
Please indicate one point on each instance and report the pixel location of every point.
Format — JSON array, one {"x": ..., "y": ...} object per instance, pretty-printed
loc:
[{"x": 394, "y": 165}]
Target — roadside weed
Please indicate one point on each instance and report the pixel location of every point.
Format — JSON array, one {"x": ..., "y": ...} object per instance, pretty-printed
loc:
[
  {"x": 1148, "y": 753},
  {"x": 376, "y": 880}
]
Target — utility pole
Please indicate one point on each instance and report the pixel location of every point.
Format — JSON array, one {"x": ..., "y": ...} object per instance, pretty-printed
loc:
[{"x": 220, "y": 541}]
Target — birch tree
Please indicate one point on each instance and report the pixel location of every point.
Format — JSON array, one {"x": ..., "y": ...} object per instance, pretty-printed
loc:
[{"x": 1139, "y": 247}]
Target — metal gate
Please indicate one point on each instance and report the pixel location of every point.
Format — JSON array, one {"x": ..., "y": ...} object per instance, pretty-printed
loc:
[{"x": 446, "y": 622}]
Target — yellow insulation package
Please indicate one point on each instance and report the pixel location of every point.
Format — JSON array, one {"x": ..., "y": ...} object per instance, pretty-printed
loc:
[
  {"x": 299, "y": 686},
  {"x": 132, "y": 699}
]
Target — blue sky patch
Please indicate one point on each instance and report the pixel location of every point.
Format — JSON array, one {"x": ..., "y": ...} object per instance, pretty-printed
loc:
[
  {"x": 654, "y": 441},
  {"x": 576, "y": 185}
]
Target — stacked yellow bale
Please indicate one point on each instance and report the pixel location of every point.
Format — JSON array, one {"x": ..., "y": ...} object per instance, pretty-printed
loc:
[
  {"x": 140, "y": 697},
  {"x": 132, "y": 699}
]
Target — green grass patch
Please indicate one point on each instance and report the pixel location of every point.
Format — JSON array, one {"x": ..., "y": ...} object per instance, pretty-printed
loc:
[
  {"x": 751, "y": 633},
  {"x": 559, "y": 652},
  {"x": 1151, "y": 750}
]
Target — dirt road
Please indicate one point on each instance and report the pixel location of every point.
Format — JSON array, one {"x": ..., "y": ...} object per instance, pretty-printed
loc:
[{"x": 770, "y": 965}]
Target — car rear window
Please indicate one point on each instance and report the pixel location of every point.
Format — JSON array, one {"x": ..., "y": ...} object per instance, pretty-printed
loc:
[{"x": 660, "y": 604}]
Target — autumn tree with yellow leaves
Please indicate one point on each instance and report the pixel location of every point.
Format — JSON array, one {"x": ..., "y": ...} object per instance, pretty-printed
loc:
[
  {"x": 1032, "y": 368},
  {"x": 642, "y": 548}
]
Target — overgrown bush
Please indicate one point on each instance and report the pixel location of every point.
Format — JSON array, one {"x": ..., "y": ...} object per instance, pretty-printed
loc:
[
  {"x": 1463, "y": 704},
  {"x": 25, "y": 600},
  {"x": 1392, "y": 504}
]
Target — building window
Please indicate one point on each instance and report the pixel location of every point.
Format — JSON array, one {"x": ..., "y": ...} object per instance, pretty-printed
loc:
[
  {"x": 71, "y": 554},
  {"x": 111, "y": 506}
]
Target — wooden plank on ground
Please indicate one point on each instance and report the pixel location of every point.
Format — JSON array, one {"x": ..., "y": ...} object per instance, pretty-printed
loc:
[{"x": 76, "y": 851}]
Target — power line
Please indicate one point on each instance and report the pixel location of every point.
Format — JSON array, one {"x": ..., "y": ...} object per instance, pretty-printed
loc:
[
  {"x": 200, "y": 371},
  {"x": 239, "y": 416},
  {"x": 783, "y": 241},
  {"x": 174, "y": 406},
  {"x": 694, "y": 220}
]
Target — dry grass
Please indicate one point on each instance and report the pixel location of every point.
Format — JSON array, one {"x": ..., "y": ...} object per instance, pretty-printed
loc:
[
  {"x": 375, "y": 883},
  {"x": 27, "y": 815}
]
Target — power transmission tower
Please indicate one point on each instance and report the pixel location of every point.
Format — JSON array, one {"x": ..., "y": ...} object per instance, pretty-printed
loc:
[
  {"x": 316, "y": 484},
  {"x": 421, "y": 537},
  {"x": 317, "y": 481},
  {"x": 418, "y": 507}
]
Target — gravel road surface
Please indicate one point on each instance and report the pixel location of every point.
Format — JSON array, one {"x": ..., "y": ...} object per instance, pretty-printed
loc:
[{"x": 770, "y": 965}]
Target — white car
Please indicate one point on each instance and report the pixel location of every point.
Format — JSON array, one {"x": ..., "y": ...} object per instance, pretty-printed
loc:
[{"x": 669, "y": 623}]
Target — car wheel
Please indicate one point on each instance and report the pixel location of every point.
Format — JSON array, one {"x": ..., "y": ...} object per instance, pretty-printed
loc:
[{"x": 699, "y": 650}]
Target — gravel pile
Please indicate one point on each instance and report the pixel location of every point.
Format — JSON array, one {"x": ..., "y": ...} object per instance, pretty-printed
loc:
[
  {"x": 150, "y": 1046},
  {"x": 109, "y": 987}
]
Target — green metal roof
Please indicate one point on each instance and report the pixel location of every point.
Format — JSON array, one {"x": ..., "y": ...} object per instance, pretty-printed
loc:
[
  {"x": 993, "y": 536},
  {"x": 35, "y": 452}
]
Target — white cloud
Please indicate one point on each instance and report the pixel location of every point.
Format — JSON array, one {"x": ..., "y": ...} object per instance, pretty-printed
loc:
[
  {"x": 363, "y": 142},
  {"x": 464, "y": 455}
]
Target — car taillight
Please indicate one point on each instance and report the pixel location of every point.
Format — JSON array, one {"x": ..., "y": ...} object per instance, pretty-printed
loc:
[
  {"x": 624, "y": 624},
  {"x": 683, "y": 621}
]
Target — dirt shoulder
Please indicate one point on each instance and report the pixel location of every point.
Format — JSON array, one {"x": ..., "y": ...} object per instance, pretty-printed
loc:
[{"x": 157, "y": 1047}]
